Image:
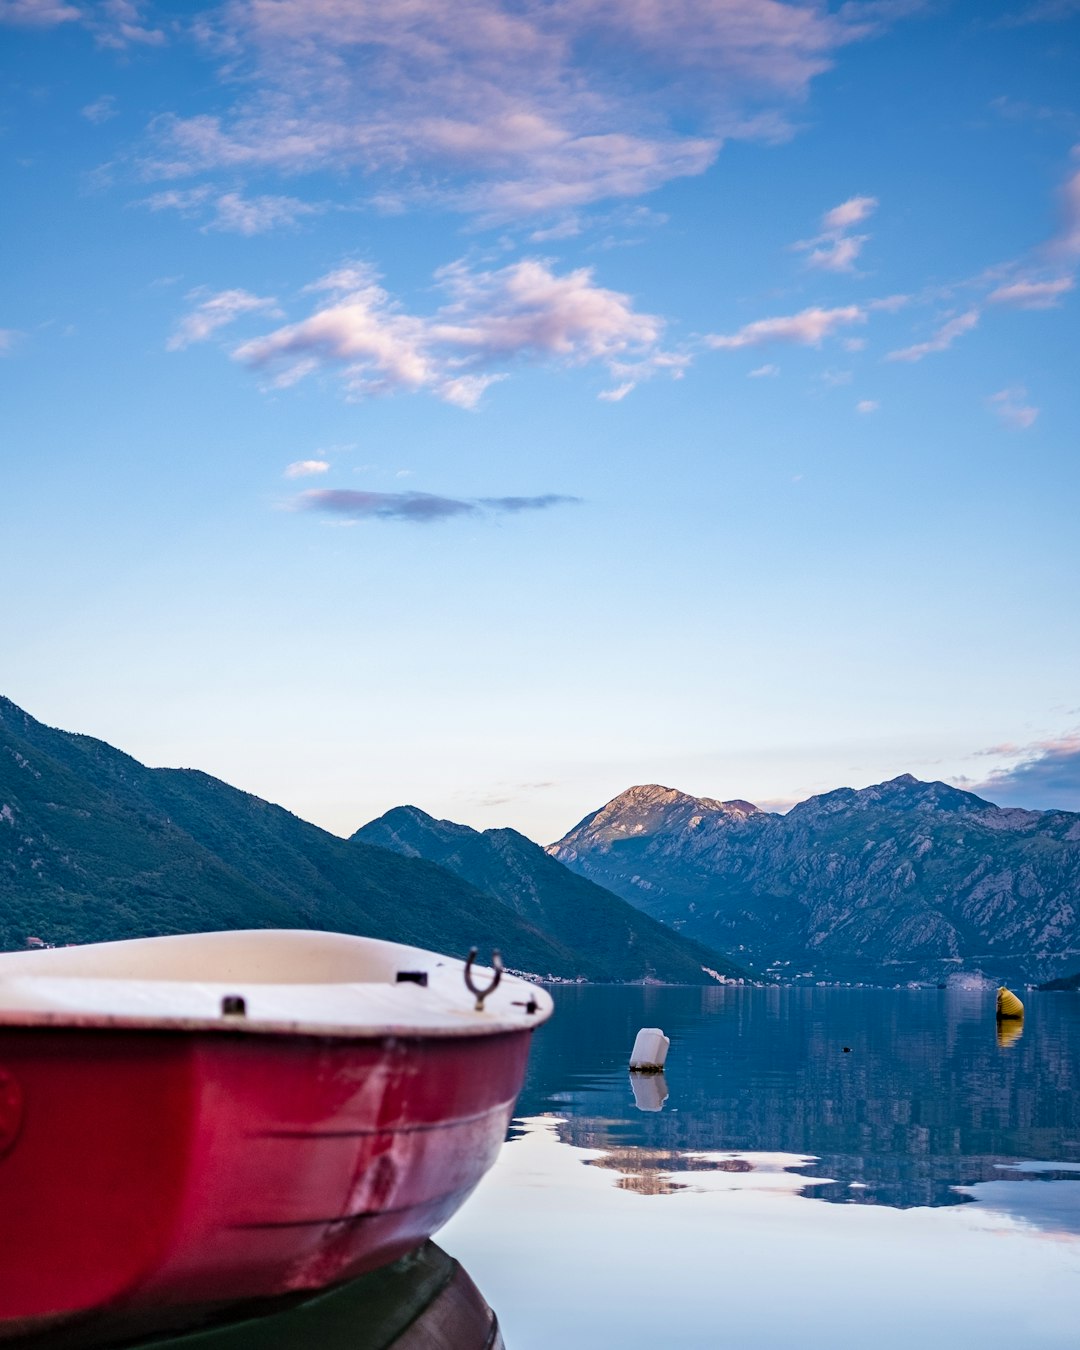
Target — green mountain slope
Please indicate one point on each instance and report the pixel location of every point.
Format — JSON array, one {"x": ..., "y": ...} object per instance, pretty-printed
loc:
[
  {"x": 96, "y": 846},
  {"x": 617, "y": 941}
]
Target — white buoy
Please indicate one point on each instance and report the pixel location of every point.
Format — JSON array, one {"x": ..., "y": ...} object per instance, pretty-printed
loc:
[{"x": 650, "y": 1051}]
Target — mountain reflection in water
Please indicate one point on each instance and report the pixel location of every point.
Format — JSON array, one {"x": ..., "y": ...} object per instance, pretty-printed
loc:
[
  {"x": 924, "y": 1100},
  {"x": 686, "y": 1212}
]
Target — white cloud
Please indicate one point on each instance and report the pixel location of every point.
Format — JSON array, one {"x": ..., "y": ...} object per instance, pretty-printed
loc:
[
  {"x": 506, "y": 109},
  {"x": 1032, "y": 294},
  {"x": 942, "y": 340},
  {"x": 1010, "y": 407},
  {"x": 100, "y": 110},
  {"x": 522, "y": 311},
  {"x": 306, "y": 468},
  {"x": 809, "y": 327},
  {"x": 763, "y": 371},
  {"x": 867, "y": 405},
  {"x": 214, "y": 312}
]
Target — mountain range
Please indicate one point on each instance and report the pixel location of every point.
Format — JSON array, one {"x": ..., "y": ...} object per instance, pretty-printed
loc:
[
  {"x": 902, "y": 880},
  {"x": 96, "y": 846},
  {"x": 505, "y": 864}
]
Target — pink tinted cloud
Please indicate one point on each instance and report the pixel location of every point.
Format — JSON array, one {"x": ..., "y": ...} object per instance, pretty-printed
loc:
[
  {"x": 1046, "y": 776},
  {"x": 1032, "y": 294},
  {"x": 834, "y": 249},
  {"x": 839, "y": 255},
  {"x": 306, "y": 468},
  {"x": 524, "y": 311},
  {"x": 1067, "y": 240},
  {"x": 852, "y": 212},
  {"x": 526, "y": 105},
  {"x": 37, "y": 13},
  {"x": 942, "y": 340},
  {"x": 214, "y": 312},
  {"x": 1012, "y": 409},
  {"x": 809, "y": 327}
]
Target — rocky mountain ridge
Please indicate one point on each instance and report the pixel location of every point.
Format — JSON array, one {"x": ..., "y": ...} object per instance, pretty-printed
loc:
[
  {"x": 904, "y": 879},
  {"x": 620, "y": 942}
]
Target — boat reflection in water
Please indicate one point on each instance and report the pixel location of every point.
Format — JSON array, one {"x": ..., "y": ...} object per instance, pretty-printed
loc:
[{"x": 424, "y": 1301}]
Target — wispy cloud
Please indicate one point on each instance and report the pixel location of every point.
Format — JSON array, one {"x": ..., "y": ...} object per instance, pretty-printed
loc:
[
  {"x": 1066, "y": 242},
  {"x": 37, "y": 13},
  {"x": 100, "y": 110},
  {"x": 1032, "y": 294},
  {"x": 1045, "y": 777},
  {"x": 256, "y": 215},
  {"x": 763, "y": 372},
  {"x": 1011, "y": 408},
  {"x": 867, "y": 405},
  {"x": 809, "y": 327},
  {"x": 306, "y": 468},
  {"x": 114, "y": 23},
  {"x": 503, "y": 109},
  {"x": 121, "y": 23},
  {"x": 232, "y": 212},
  {"x": 8, "y": 339},
  {"x": 421, "y": 508},
  {"x": 942, "y": 340},
  {"x": 835, "y": 249},
  {"x": 1041, "y": 11},
  {"x": 214, "y": 312},
  {"x": 524, "y": 311},
  {"x": 187, "y": 201}
]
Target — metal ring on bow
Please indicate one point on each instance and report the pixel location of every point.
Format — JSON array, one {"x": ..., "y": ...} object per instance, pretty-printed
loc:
[{"x": 481, "y": 994}]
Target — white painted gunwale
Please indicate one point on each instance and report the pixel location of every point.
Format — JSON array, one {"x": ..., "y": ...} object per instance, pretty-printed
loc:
[{"x": 293, "y": 982}]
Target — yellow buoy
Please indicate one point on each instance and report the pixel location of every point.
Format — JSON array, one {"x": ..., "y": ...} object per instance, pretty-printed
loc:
[{"x": 1008, "y": 1005}]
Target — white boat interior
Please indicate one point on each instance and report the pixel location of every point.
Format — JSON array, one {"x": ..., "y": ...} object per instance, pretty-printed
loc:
[{"x": 263, "y": 980}]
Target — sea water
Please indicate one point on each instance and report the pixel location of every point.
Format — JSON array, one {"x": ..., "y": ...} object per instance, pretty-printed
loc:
[{"x": 817, "y": 1167}]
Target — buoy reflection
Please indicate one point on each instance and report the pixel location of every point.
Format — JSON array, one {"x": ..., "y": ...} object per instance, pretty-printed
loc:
[
  {"x": 650, "y": 1091},
  {"x": 1009, "y": 1031}
]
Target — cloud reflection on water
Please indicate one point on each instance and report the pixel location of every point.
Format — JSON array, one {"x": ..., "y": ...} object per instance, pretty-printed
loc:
[{"x": 587, "y": 1247}]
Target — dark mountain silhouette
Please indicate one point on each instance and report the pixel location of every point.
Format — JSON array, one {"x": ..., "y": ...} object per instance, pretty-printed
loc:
[{"x": 96, "y": 846}]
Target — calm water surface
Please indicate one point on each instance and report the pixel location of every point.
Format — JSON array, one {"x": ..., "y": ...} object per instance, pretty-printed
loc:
[{"x": 921, "y": 1187}]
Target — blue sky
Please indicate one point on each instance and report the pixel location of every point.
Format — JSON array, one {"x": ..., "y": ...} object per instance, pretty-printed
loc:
[{"x": 489, "y": 406}]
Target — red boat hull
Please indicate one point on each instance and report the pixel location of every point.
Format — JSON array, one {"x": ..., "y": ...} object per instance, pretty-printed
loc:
[{"x": 157, "y": 1176}]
